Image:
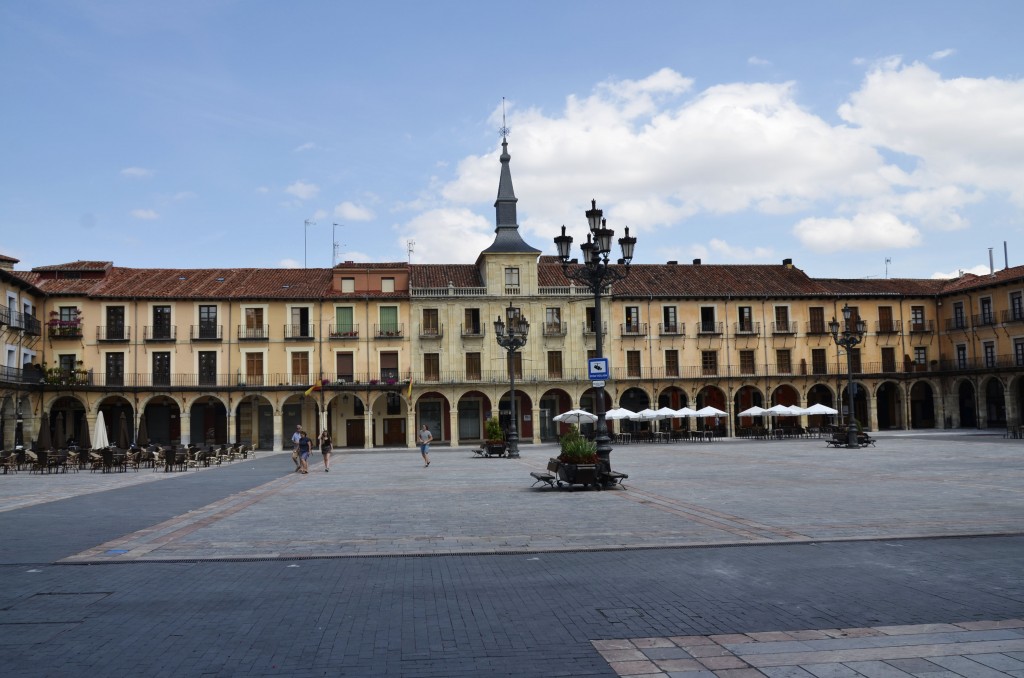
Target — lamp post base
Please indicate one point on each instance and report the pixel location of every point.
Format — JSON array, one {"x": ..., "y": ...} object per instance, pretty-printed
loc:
[{"x": 513, "y": 443}]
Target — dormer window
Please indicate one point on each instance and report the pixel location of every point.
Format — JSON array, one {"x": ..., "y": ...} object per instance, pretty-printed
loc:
[
  {"x": 511, "y": 277},
  {"x": 387, "y": 284},
  {"x": 348, "y": 285}
]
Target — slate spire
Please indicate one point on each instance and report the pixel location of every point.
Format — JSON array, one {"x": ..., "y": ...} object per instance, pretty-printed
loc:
[{"x": 506, "y": 231}]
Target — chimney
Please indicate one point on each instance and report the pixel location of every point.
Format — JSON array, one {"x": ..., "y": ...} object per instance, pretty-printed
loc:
[
  {"x": 788, "y": 263},
  {"x": 696, "y": 262},
  {"x": 672, "y": 263}
]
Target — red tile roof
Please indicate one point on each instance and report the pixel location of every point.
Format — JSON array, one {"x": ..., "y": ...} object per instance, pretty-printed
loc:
[
  {"x": 969, "y": 281},
  {"x": 440, "y": 275},
  {"x": 77, "y": 266}
]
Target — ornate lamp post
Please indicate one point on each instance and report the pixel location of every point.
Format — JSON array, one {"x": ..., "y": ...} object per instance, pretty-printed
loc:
[
  {"x": 596, "y": 273},
  {"x": 848, "y": 339},
  {"x": 511, "y": 335}
]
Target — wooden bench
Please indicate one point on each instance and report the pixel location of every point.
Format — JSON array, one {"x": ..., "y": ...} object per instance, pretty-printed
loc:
[
  {"x": 614, "y": 477},
  {"x": 864, "y": 440},
  {"x": 836, "y": 441},
  {"x": 543, "y": 477}
]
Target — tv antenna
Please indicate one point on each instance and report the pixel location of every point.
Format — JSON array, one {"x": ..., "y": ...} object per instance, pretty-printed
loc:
[
  {"x": 410, "y": 245},
  {"x": 887, "y": 262},
  {"x": 305, "y": 239},
  {"x": 336, "y": 245}
]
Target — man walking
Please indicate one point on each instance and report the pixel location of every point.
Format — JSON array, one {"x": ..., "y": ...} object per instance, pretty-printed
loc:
[
  {"x": 295, "y": 447},
  {"x": 425, "y": 436}
]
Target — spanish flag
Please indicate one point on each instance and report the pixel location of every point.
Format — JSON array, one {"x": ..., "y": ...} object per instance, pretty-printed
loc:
[
  {"x": 315, "y": 387},
  {"x": 408, "y": 396}
]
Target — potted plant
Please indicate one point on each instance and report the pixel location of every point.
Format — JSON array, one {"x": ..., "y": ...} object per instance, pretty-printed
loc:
[
  {"x": 577, "y": 460},
  {"x": 495, "y": 443}
]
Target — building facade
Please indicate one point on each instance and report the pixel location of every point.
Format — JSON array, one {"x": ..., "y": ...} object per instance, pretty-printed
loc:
[{"x": 225, "y": 355}]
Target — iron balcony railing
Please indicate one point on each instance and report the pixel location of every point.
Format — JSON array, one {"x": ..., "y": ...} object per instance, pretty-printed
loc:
[
  {"x": 954, "y": 324},
  {"x": 205, "y": 332},
  {"x": 432, "y": 332},
  {"x": 64, "y": 329},
  {"x": 747, "y": 328},
  {"x": 817, "y": 327},
  {"x": 257, "y": 333},
  {"x": 160, "y": 333},
  {"x": 672, "y": 329},
  {"x": 553, "y": 329},
  {"x": 5, "y": 315},
  {"x": 709, "y": 327},
  {"x": 588, "y": 328},
  {"x": 113, "y": 333},
  {"x": 921, "y": 327},
  {"x": 1013, "y": 315},
  {"x": 389, "y": 330},
  {"x": 633, "y": 329},
  {"x": 784, "y": 327},
  {"x": 472, "y": 331},
  {"x": 888, "y": 327},
  {"x": 298, "y": 332},
  {"x": 343, "y": 331},
  {"x": 984, "y": 319}
]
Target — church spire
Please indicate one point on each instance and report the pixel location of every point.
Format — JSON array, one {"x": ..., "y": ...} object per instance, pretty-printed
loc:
[{"x": 506, "y": 231}]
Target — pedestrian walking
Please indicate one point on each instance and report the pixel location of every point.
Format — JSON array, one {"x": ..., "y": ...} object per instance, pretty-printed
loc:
[
  {"x": 325, "y": 449},
  {"x": 295, "y": 447},
  {"x": 425, "y": 436},
  {"x": 305, "y": 444}
]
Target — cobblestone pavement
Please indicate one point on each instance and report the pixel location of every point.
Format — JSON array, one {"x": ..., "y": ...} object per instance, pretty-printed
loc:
[{"x": 384, "y": 567}]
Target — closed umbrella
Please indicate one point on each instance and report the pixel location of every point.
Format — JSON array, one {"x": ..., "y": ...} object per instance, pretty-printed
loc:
[
  {"x": 122, "y": 432},
  {"x": 59, "y": 440},
  {"x": 102, "y": 440},
  {"x": 142, "y": 437},
  {"x": 84, "y": 443},
  {"x": 576, "y": 417},
  {"x": 43, "y": 441}
]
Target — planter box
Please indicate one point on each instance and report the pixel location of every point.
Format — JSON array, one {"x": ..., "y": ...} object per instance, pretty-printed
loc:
[
  {"x": 497, "y": 449},
  {"x": 578, "y": 474}
]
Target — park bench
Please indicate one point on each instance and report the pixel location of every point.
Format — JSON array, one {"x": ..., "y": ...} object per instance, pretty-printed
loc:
[
  {"x": 613, "y": 478},
  {"x": 544, "y": 477}
]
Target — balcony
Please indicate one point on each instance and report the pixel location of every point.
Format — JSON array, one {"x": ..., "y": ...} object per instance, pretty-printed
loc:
[
  {"x": 1013, "y": 315},
  {"x": 921, "y": 327},
  {"x": 64, "y": 329},
  {"x": 472, "y": 331},
  {"x": 747, "y": 328},
  {"x": 709, "y": 328},
  {"x": 298, "y": 332},
  {"x": 158, "y": 333},
  {"x": 5, "y": 316},
  {"x": 588, "y": 328},
  {"x": 256, "y": 333},
  {"x": 113, "y": 334},
  {"x": 956, "y": 324},
  {"x": 553, "y": 329},
  {"x": 343, "y": 332},
  {"x": 784, "y": 327},
  {"x": 672, "y": 329},
  {"x": 389, "y": 331},
  {"x": 817, "y": 328},
  {"x": 432, "y": 332},
  {"x": 888, "y": 326},
  {"x": 633, "y": 330},
  {"x": 205, "y": 332},
  {"x": 984, "y": 319}
]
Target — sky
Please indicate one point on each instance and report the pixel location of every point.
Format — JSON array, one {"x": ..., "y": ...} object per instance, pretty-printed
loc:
[{"x": 861, "y": 139}]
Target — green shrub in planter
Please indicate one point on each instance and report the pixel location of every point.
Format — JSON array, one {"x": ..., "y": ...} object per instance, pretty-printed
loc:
[{"x": 575, "y": 449}]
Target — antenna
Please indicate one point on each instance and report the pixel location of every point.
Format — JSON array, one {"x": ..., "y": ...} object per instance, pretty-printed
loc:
[
  {"x": 410, "y": 245},
  {"x": 887, "y": 262},
  {"x": 305, "y": 232},
  {"x": 335, "y": 243},
  {"x": 504, "y": 131}
]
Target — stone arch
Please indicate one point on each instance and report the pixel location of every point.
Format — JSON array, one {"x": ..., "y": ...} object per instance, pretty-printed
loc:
[
  {"x": 473, "y": 408},
  {"x": 634, "y": 398},
  {"x": 298, "y": 410},
  {"x": 820, "y": 394},
  {"x": 672, "y": 396},
  {"x": 860, "y": 403},
  {"x": 389, "y": 420},
  {"x": 163, "y": 420},
  {"x": 747, "y": 396},
  {"x": 588, "y": 401},
  {"x": 889, "y": 406},
  {"x": 995, "y": 403},
  {"x": 347, "y": 413},
  {"x": 434, "y": 409},
  {"x": 966, "y": 404},
  {"x": 71, "y": 412},
  {"x": 552, "y": 403},
  {"x": 524, "y": 406},
  {"x": 786, "y": 394},
  {"x": 922, "y": 405},
  {"x": 254, "y": 422},
  {"x": 208, "y": 421}
]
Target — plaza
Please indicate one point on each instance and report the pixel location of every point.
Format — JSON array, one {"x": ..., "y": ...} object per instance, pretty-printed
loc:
[{"x": 759, "y": 552}]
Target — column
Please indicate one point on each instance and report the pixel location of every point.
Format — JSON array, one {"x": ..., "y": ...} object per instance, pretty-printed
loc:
[
  {"x": 370, "y": 435},
  {"x": 453, "y": 424},
  {"x": 872, "y": 424},
  {"x": 184, "y": 427},
  {"x": 536, "y": 423},
  {"x": 410, "y": 428},
  {"x": 279, "y": 430}
]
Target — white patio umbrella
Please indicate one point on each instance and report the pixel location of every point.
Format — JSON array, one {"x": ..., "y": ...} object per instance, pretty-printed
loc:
[
  {"x": 818, "y": 408},
  {"x": 779, "y": 411},
  {"x": 686, "y": 412},
  {"x": 618, "y": 413},
  {"x": 646, "y": 414},
  {"x": 667, "y": 413},
  {"x": 710, "y": 411},
  {"x": 754, "y": 411},
  {"x": 576, "y": 417},
  {"x": 100, "y": 439}
]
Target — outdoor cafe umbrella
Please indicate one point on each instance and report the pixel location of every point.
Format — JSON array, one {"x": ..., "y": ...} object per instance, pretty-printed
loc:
[
  {"x": 779, "y": 411},
  {"x": 142, "y": 435},
  {"x": 686, "y": 412},
  {"x": 101, "y": 433},
  {"x": 818, "y": 408},
  {"x": 710, "y": 411},
  {"x": 754, "y": 411},
  {"x": 576, "y": 417},
  {"x": 122, "y": 432},
  {"x": 667, "y": 413},
  {"x": 83, "y": 434},
  {"x": 43, "y": 441},
  {"x": 618, "y": 413},
  {"x": 59, "y": 441},
  {"x": 646, "y": 414}
]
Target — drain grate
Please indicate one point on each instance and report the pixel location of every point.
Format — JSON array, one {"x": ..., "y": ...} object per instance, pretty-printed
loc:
[{"x": 620, "y": 614}]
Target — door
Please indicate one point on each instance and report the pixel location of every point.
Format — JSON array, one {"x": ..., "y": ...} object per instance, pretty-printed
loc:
[
  {"x": 115, "y": 322},
  {"x": 115, "y": 369},
  {"x": 394, "y": 432},
  {"x": 430, "y": 414},
  {"x": 162, "y": 368},
  {"x": 207, "y": 368},
  {"x": 355, "y": 433},
  {"x": 470, "y": 427},
  {"x": 161, "y": 322}
]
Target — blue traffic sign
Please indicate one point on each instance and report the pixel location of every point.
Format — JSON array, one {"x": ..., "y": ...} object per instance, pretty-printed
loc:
[{"x": 597, "y": 368}]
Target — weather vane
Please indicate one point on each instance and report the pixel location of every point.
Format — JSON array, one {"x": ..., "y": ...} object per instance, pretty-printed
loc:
[{"x": 504, "y": 131}]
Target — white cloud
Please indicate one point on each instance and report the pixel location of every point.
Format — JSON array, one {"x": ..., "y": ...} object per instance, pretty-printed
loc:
[
  {"x": 148, "y": 215},
  {"x": 308, "y": 146},
  {"x": 303, "y": 191},
  {"x": 980, "y": 269},
  {"x": 289, "y": 263},
  {"x": 758, "y": 61},
  {"x": 319, "y": 215},
  {"x": 352, "y": 212},
  {"x": 136, "y": 172},
  {"x": 453, "y": 235},
  {"x": 942, "y": 54},
  {"x": 862, "y": 232},
  {"x": 737, "y": 253}
]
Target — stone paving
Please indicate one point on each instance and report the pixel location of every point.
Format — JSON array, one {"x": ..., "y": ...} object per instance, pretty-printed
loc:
[{"x": 762, "y": 495}]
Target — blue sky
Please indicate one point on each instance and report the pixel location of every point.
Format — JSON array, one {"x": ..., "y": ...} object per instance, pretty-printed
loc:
[{"x": 205, "y": 134}]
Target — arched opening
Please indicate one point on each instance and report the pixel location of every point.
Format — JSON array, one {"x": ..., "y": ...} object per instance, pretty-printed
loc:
[
  {"x": 390, "y": 420},
  {"x": 254, "y": 422},
  {"x": 634, "y": 399},
  {"x": 208, "y": 421},
  {"x": 588, "y": 402},
  {"x": 524, "y": 422},
  {"x": 860, "y": 404},
  {"x": 820, "y": 394},
  {"x": 350, "y": 410},
  {"x": 965, "y": 396},
  {"x": 922, "y": 405},
  {"x": 995, "y": 404},
  {"x": 434, "y": 410},
  {"x": 745, "y": 398},
  {"x": 788, "y": 396},
  {"x": 715, "y": 397},
  {"x": 889, "y": 406},
  {"x": 66, "y": 416},
  {"x": 553, "y": 403},
  {"x": 298, "y": 410},
  {"x": 163, "y": 420},
  {"x": 474, "y": 408},
  {"x": 674, "y": 398}
]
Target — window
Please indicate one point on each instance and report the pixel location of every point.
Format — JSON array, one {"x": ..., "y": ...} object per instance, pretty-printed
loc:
[
  {"x": 632, "y": 319},
  {"x": 207, "y": 368},
  {"x": 162, "y": 367},
  {"x": 709, "y": 362},
  {"x": 115, "y": 323},
  {"x": 511, "y": 277},
  {"x": 591, "y": 353},
  {"x": 254, "y": 369},
  {"x": 517, "y": 364},
  {"x": 348, "y": 285},
  {"x": 554, "y": 364},
  {"x": 162, "y": 322},
  {"x": 707, "y": 320},
  {"x": 431, "y": 326},
  {"x": 746, "y": 320},
  {"x": 387, "y": 285},
  {"x": 670, "y": 324},
  {"x": 747, "y": 362},
  {"x": 115, "y": 369},
  {"x": 855, "y": 359},
  {"x": 632, "y": 363},
  {"x": 959, "y": 319},
  {"x": 254, "y": 327},
  {"x": 589, "y": 319},
  {"x": 782, "y": 320},
  {"x": 343, "y": 324},
  {"x": 207, "y": 322},
  {"x": 552, "y": 321},
  {"x": 917, "y": 318},
  {"x": 66, "y": 362},
  {"x": 345, "y": 364},
  {"x": 300, "y": 367},
  {"x": 920, "y": 355},
  {"x": 1016, "y": 306},
  {"x": 816, "y": 315},
  {"x": 783, "y": 360},
  {"x": 986, "y": 311},
  {"x": 1018, "y": 352},
  {"x": 888, "y": 359},
  {"x": 819, "y": 361},
  {"x": 885, "y": 321},
  {"x": 431, "y": 367},
  {"x": 671, "y": 363},
  {"x": 389, "y": 366},
  {"x": 989, "y": 350},
  {"x": 961, "y": 356},
  {"x": 300, "y": 322},
  {"x": 471, "y": 322},
  {"x": 388, "y": 320},
  {"x": 472, "y": 366},
  {"x": 394, "y": 404}
]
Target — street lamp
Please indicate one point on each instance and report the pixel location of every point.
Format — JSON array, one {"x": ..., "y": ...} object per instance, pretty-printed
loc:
[
  {"x": 596, "y": 273},
  {"x": 511, "y": 335},
  {"x": 848, "y": 339}
]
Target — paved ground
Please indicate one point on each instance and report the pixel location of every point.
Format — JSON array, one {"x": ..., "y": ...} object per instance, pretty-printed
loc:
[{"x": 903, "y": 559}]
